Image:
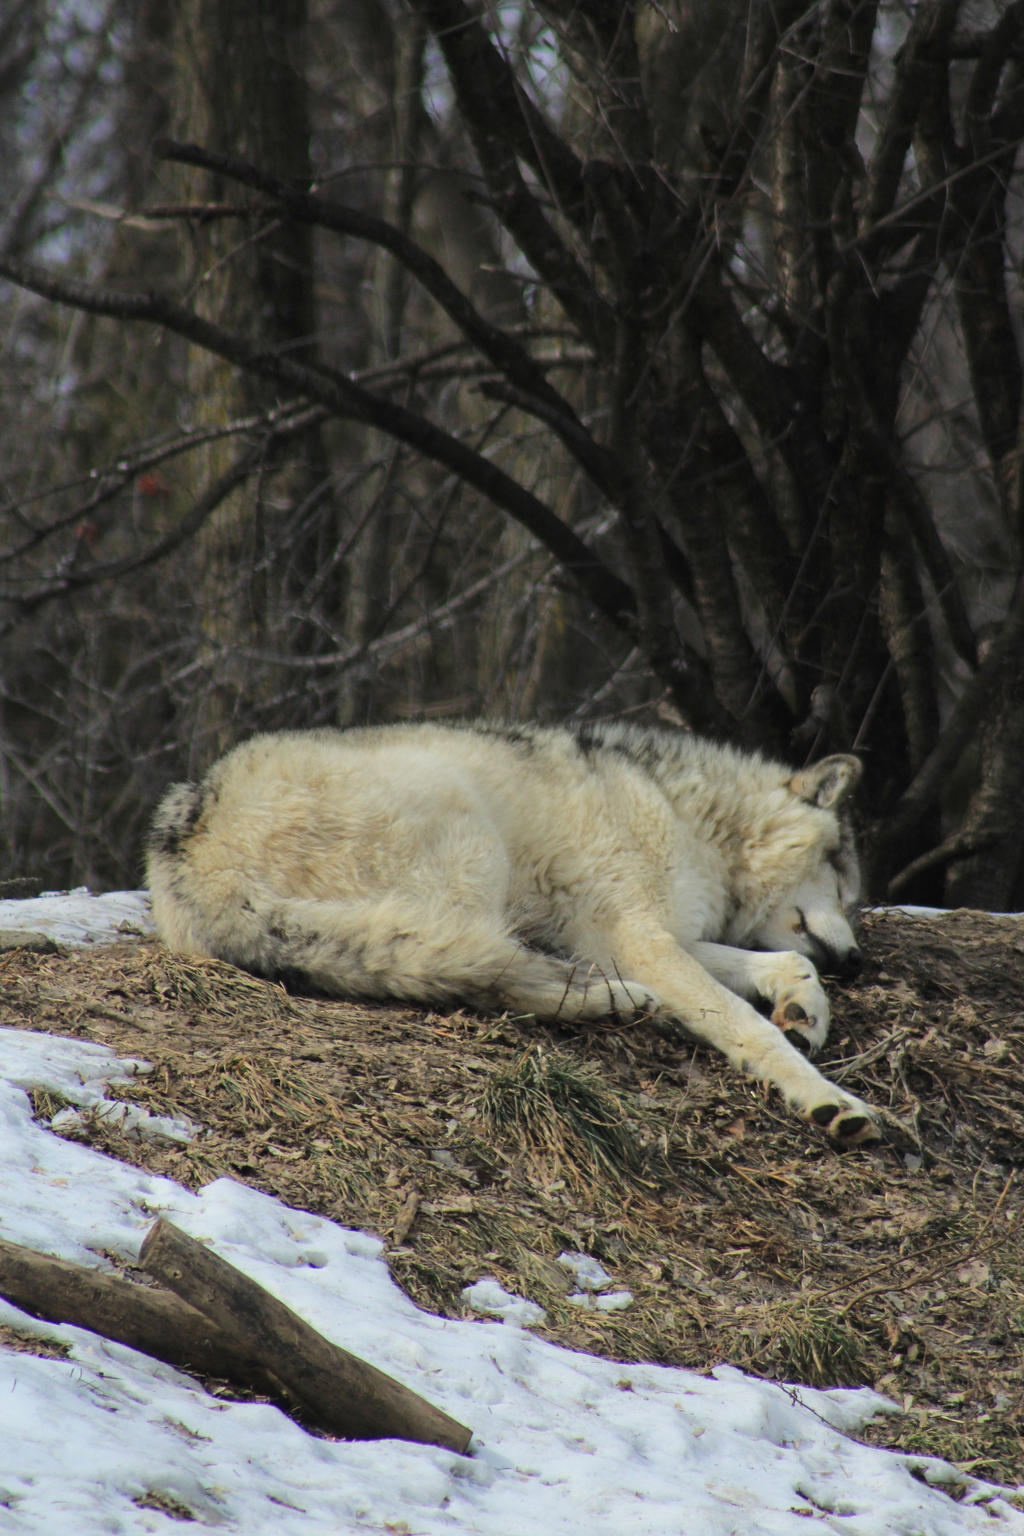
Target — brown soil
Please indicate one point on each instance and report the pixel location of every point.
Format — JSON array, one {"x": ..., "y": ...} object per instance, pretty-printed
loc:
[{"x": 487, "y": 1147}]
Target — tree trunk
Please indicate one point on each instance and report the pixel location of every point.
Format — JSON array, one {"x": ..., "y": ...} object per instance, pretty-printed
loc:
[
  {"x": 991, "y": 876},
  {"x": 240, "y": 88}
]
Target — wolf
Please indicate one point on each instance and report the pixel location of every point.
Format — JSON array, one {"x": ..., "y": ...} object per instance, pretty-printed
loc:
[{"x": 569, "y": 873}]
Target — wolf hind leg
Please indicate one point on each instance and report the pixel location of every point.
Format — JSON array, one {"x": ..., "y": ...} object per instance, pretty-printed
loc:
[
  {"x": 392, "y": 947},
  {"x": 555, "y": 989}
]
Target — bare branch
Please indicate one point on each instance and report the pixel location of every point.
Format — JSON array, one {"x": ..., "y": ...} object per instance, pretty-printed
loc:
[
  {"x": 533, "y": 139},
  {"x": 108, "y": 483},
  {"x": 20, "y": 214},
  {"x": 76, "y": 578},
  {"x": 498, "y": 346},
  {"x": 960, "y": 845},
  {"x": 931, "y": 778},
  {"x": 918, "y": 74},
  {"x": 609, "y": 594},
  {"x": 480, "y": 78},
  {"x": 975, "y": 248}
]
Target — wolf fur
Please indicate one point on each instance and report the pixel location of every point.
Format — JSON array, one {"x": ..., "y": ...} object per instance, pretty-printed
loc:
[{"x": 568, "y": 873}]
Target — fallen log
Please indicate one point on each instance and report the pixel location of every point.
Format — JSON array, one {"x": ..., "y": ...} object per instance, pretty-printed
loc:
[
  {"x": 28, "y": 938},
  {"x": 341, "y": 1393},
  {"x": 241, "y": 1335},
  {"x": 156, "y": 1322}
]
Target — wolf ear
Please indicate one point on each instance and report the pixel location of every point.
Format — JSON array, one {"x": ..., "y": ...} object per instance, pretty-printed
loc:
[{"x": 827, "y": 784}]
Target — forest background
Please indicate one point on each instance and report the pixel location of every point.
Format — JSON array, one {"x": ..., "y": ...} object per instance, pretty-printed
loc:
[{"x": 371, "y": 360}]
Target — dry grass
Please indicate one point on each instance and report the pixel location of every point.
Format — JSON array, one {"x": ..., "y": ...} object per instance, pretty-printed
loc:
[
  {"x": 489, "y": 1146},
  {"x": 26, "y": 1343}
]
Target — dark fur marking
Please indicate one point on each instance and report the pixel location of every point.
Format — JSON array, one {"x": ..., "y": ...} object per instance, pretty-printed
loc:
[
  {"x": 514, "y": 735},
  {"x": 646, "y": 754},
  {"x": 294, "y": 980},
  {"x": 588, "y": 738},
  {"x": 176, "y": 821},
  {"x": 648, "y": 750}
]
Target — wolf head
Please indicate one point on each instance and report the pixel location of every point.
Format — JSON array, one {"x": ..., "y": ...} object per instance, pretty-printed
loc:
[{"x": 812, "y": 912}]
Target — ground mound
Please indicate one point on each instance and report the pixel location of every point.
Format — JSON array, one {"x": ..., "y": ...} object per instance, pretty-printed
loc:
[{"x": 481, "y": 1147}]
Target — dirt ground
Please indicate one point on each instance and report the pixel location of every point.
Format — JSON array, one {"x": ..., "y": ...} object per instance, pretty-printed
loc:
[{"x": 480, "y": 1147}]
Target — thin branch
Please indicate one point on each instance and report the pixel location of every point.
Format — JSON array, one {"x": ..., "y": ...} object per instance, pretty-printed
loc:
[
  {"x": 977, "y": 233},
  {"x": 971, "y": 45},
  {"x": 533, "y": 139},
  {"x": 387, "y": 646},
  {"x": 479, "y": 77},
  {"x": 76, "y": 579},
  {"x": 157, "y": 213},
  {"x": 997, "y": 47},
  {"x": 767, "y": 389},
  {"x": 497, "y": 345},
  {"x": 344, "y": 398},
  {"x": 932, "y": 777},
  {"x": 921, "y": 53},
  {"x": 919, "y": 214},
  {"x": 760, "y": 62},
  {"x": 109, "y": 483},
  {"x": 960, "y": 846},
  {"x": 25, "y": 205},
  {"x": 535, "y": 394},
  {"x": 601, "y": 466}
]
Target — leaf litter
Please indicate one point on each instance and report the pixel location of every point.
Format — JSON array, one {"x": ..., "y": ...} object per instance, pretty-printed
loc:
[{"x": 489, "y": 1147}]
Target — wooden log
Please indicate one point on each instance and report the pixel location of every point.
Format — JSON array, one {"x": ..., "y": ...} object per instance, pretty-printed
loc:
[
  {"x": 154, "y": 1321},
  {"x": 28, "y": 938},
  {"x": 342, "y": 1393}
]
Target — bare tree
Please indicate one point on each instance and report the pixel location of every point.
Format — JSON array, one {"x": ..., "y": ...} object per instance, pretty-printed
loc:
[{"x": 767, "y": 333}]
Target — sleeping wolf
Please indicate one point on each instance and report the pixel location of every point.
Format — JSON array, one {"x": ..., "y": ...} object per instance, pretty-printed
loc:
[{"x": 567, "y": 873}]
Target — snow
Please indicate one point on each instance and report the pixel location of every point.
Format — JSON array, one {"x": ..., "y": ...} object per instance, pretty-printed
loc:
[
  {"x": 109, "y": 1441},
  {"x": 490, "y": 1297},
  {"x": 589, "y": 1273},
  {"x": 79, "y": 917}
]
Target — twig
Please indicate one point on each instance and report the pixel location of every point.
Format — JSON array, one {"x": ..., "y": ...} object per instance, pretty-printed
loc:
[{"x": 931, "y": 1270}]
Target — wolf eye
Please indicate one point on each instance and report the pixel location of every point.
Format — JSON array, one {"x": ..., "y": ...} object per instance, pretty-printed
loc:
[{"x": 800, "y": 926}]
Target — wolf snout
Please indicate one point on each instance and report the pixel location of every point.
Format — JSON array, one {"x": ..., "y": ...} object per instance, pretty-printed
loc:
[
  {"x": 840, "y": 960},
  {"x": 846, "y": 963}
]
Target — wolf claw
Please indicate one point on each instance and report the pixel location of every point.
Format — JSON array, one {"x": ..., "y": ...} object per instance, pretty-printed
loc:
[{"x": 630, "y": 999}]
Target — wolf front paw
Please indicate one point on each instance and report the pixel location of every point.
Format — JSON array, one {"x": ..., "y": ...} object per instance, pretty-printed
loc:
[
  {"x": 846, "y": 1122},
  {"x": 800, "y": 1006},
  {"x": 803, "y": 1017}
]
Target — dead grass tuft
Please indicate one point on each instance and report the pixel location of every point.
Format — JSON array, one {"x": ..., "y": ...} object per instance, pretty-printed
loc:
[
  {"x": 802, "y": 1341},
  {"x": 491, "y": 1146},
  {"x": 24, "y": 1342},
  {"x": 557, "y": 1108}
]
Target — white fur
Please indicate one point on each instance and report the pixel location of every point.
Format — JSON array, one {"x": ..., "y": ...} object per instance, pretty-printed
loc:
[{"x": 567, "y": 874}]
